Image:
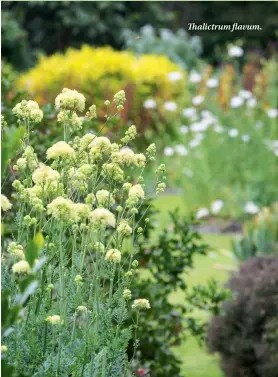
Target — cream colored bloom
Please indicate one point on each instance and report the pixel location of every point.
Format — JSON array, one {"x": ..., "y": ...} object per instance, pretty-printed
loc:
[
  {"x": 54, "y": 319},
  {"x": 78, "y": 278},
  {"x": 16, "y": 249},
  {"x": 124, "y": 157},
  {"x": 104, "y": 198},
  {"x": 28, "y": 110},
  {"x": 124, "y": 228},
  {"x": 102, "y": 217},
  {"x": 5, "y": 203},
  {"x": 60, "y": 149},
  {"x": 70, "y": 100},
  {"x": 81, "y": 308},
  {"x": 140, "y": 160},
  {"x": 62, "y": 209},
  {"x": 4, "y": 348},
  {"x": 113, "y": 255},
  {"x": 82, "y": 210},
  {"x": 21, "y": 267},
  {"x": 141, "y": 303},
  {"x": 100, "y": 145},
  {"x": 136, "y": 191},
  {"x": 127, "y": 294},
  {"x": 44, "y": 174}
]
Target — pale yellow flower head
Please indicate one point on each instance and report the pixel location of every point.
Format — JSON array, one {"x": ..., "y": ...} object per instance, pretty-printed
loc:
[
  {"x": 104, "y": 198},
  {"x": 102, "y": 217},
  {"x": 141, "y": 303},
  {"x": 28, "y": 110},
  {"x": 21, "y": 267},
  {"x": 113, "y": 255},
  {"x": 70, "y": 100},
  {"x": 44, "y": 174},
  {"x": 60, "y": 149},
  {"x": 16, "y": 249},
  {"x": 62, "y": 209},
  {"x": 5, "y": 203},
  {"x": 54, "y": 319}
]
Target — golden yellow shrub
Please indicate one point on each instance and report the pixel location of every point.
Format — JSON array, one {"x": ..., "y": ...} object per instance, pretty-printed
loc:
[{"x": 101, "y": 71}]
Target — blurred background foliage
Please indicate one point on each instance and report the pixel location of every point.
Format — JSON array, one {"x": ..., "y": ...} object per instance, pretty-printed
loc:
[{"x": 27, "y": 32}]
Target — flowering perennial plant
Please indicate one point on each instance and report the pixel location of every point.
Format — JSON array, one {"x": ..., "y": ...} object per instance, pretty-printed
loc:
[{"x": 83, "y": 198}]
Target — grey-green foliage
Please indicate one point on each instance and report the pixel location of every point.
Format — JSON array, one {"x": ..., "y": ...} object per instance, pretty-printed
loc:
[{"x": 179, "y": 46}]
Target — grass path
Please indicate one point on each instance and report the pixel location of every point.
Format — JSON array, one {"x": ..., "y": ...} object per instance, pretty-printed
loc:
[{"x": 196, "y": 362}]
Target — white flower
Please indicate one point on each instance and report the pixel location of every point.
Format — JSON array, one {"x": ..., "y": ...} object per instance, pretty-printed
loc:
[
  {"x": 197, "y": 100},
  {"x": 245, "y": 138},
  {"x": 252, "y": 102},
  {"x": 194, "y": 143},
  {"x": 168, "y": 151},
  {"x": 236, "y": 102},
  {"x": 219, "y": 129},
  {"x": 245, "y": 94},
  {"x": 199, "y": 126},
  {"x": 258, "y": 124},
  {"x": 212, "y": 83},
  {"x": 5, "y": 203},
  {"x": 60, "y": 149},
  {"x": 184, "y": 129},
  {"x": 216, "y": 206},
  {"x": 189, "y": 112},
  {"x": 188, "y": 172},
  {"x": 149, "y": 104},
  {"x": 233, "y": 132},
  {"x": 102, "y": 217},
  {"x": 272, "y": 113},
  {"x": 70, "y": 100},
  {"x": 202, "y": 212},
  {"x": 181, "y": 150},
  {"x": 194, "y": 77},
  {"x": 141, "y": 303},
  {"x": 235, "y": 51},
  {"x": 170, "y": 106},
  {"x": 21, "y": 267},
  {"x": 113, "y": 255},
  {"x": 54, "y": 319},
  {"x": 251, "y": 208},
  {"x": 174, "y": 76}
]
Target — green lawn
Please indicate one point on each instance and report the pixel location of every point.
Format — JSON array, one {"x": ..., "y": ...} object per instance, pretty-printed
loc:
[{"x": 196, "y": 362}]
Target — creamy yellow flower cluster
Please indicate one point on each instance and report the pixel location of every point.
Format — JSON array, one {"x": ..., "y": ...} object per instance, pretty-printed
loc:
[{"x": 88, "y": 192}]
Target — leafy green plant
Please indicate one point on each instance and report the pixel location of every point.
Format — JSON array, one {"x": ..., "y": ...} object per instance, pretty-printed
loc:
[
  {"x": 260, "y": 235},
  {"x": 84, "y": 200},
  {"x": 165, "y": 259},
  {"x": 12, "y": 311}
]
